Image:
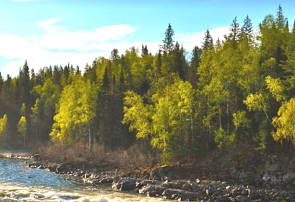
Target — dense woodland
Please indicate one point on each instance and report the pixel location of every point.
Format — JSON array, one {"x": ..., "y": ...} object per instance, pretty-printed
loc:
[{"x": 238, "y": 91}]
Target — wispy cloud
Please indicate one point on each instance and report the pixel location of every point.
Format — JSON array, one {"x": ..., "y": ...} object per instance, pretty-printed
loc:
[
  {"x": 190, "y": 40},
  {"x": 58, "y": 45},
  {"x": 57, "y": 37}
]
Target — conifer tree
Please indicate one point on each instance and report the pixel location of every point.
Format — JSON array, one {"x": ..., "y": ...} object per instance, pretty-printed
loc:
[
  {"x": 144, "y": 50},
  {"x": 208, "y": 41},
  {"x": 247, "y": 29},
  {"x": 194, "y": 64},
  {"x": 168, "y": 42},
  {"x": 234, "y": 31},
  {"x": 280, "y": 19}
]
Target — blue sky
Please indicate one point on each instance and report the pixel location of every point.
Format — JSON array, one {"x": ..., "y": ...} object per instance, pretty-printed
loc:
[{"x": 48, "y": 32}]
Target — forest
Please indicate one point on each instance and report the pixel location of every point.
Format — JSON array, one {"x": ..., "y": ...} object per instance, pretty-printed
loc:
[{"x": 229, "y": 92}]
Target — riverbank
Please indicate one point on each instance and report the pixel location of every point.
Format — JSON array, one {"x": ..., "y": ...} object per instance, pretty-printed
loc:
[
  {"x": 16, "y": 154},
  {"x": 258, "y": 177}
]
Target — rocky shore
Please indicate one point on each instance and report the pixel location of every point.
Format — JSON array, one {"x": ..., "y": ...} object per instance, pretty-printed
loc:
[
  {"x": 271, "y": 182},
  {"x": 18, "y": 154}
]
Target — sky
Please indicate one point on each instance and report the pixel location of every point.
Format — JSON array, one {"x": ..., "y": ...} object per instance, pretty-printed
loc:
[{"x": 58, "y": 32}]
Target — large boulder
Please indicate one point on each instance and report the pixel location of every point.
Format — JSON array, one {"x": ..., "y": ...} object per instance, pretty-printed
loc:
[
  {"x": 182, "y": 195},
  {"x": 152, "y": 190},
  {"x": 124, "y": 184}
]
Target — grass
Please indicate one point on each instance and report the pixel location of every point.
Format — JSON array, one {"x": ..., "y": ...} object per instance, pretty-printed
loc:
[{"x": 134, "y": 157}]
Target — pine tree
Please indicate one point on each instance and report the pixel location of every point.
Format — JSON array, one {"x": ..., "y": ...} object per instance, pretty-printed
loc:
[
  {"x": 247, "y": 29},
  {"x": 115, "y": 55},
  {"x": 196, "y": 55},
  {"x": 144, "y": 50},
  {"x": 208, "y": 41},
  {"x": 280, "y": 20},
  {"x": 234, "y": 31},
  {"x": 179, "y": 63},
  {"x": 106, "y": 83},
  {"x": 194, "y": 64},
  {"x": 168, "y": 42},
  {"x": 158, "y": 64}
]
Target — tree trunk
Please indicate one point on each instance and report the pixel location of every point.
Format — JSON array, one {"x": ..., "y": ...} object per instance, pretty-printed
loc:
[{"x": 89, "y": 139}]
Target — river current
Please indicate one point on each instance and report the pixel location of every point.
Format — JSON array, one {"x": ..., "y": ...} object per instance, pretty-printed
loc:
[{"x": 20, "y": 183}]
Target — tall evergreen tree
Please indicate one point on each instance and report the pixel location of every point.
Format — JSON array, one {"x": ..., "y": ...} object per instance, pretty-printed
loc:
[
  {"x": 280, "y": 20},
  {"x": 144, "y": 50},
  {"x": 194, "y": 64},
  {"x": 168, "y": 42},
  {"x": 208, "y": 41},
  {"x": 234, "y": 31},
  {"x": 247, "y": 29}
]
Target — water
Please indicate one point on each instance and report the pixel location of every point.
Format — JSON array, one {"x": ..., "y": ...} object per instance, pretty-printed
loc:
[{"x": 20, "y": 183}]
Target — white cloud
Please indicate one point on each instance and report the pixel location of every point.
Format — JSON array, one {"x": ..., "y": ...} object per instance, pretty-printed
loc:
[
  {"x": 49, "y": 25},
  {"x": 190, "y": 40},
  {"x": 59, "y": 46}
]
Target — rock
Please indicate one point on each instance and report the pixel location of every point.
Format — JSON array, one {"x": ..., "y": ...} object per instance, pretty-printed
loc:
[
  {"x": 173, "y": 185},
  {"x": 254, "y": 195},
  {"x": 181, "y": 195},
  {"x": 60, "y": 168},
  {"x": 152, "y": 190},
  {"x": 36, "y": 158},
  {"x": 207, "y": 191},
  {"x": 140, "y": 184},
  {"x": 224, "y": 198},
  {"x": 289, "y": 177},
  {"x": 124, "y": 184},
  {"x": 241, "y": 198},
  {"x": 107, "y": 180},
  {"x": 188, "y": 186}
]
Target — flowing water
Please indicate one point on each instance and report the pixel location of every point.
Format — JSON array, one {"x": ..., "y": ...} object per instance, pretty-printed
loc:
[{"x": 20, "y": 183}]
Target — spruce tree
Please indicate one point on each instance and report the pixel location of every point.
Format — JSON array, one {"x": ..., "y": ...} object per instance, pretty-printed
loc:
[
  {"x": 144, "y": 50},
  {"x": 247, "y": 29},
  {"x": 194, "y": 63},
  {"x": 234, "y": 30},
  {"x": 208, "y": 41},
  {"x": 168, "y": 42},
  {"x": 280, "y": 20},
  {"x": 196, "y": 55}
]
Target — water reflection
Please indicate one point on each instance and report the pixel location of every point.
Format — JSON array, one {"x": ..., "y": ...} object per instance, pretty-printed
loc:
[{"x": 20, "y": 183}]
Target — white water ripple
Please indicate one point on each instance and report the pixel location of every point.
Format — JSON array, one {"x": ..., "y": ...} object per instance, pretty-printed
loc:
[{"x": 10, "y": 192}]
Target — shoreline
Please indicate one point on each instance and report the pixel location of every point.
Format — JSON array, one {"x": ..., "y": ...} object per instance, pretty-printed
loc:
[
  {"x": 160, "y": 182},
  {"x": 172, "y": 182},
  {"x": 16, "y": 154}
]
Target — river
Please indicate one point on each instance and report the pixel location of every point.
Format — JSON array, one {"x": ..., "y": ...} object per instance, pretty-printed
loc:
[{"x": 21, "y": 183}]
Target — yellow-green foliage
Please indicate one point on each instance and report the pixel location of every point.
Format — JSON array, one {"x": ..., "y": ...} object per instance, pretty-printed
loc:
[
  {"x": 223, "y": 139},
  {"x": 3, "y": 125},
  {"x": 255, "y": 102},
  {"x": 22, "y": 125},
  {"x": 240, "y": 120},
  {"x": 275, "y": 87},
  {"x": 285, "y": 122},
  {"x": 173, "y": 113},
  {"x": 166, "y": 120},
  {"x": 75, "y": 110},
  {"x": 215, "y": 91},
  {"x": 137, "y": 114}
]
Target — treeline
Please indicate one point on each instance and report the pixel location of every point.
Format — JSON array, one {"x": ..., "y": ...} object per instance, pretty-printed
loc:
[{"x": 238, "y": 91}]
